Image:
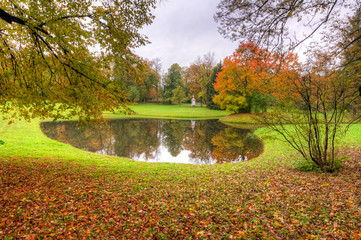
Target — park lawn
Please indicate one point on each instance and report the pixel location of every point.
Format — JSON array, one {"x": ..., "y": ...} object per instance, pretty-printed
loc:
[
  {"x": 50, "y": 189},
  {"x": 184, "y": 111}
]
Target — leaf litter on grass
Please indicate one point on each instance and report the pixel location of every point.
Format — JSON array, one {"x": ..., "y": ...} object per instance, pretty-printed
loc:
[{"x": 44, "y": 199}]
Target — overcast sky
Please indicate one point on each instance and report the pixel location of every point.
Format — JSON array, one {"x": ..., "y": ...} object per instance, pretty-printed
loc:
[{"x": 183, "y": 30}]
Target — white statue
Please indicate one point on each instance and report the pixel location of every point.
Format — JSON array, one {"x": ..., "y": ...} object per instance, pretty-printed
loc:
[{"x": 193, "y": 102}]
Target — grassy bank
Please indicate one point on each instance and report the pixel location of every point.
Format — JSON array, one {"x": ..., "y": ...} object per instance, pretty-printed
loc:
[
  {"x": 50, "y": 189},
  {"x": 239, "y": 118}
]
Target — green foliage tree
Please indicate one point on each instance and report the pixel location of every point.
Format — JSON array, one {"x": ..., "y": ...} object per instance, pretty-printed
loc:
[
  {"x": 57, "y": 57},
  {"x": 235, "y": 103},
  {"x": 210, "y": 88},
  {"x": 173, "y": 80},
  {"x": 134, "y": 93},
  {"x": 179, "y": 95},
  {"x": 260, "y": 102},
  {"x": 145, "y": 89}
]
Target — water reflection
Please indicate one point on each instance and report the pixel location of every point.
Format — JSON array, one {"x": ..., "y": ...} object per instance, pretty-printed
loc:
[{"x": 158, "y": 140}]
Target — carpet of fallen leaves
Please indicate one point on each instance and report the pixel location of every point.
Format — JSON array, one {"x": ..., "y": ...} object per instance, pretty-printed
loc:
[{"x": 53, "y": 200}]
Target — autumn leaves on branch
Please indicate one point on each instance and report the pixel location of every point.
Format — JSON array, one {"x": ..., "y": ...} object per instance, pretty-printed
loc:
[
  {"x": 58, "y": 59},
  {"x": 252, "y": 77}
]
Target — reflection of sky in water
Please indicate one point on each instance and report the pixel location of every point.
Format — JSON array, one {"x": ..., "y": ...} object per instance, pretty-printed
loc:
[
  {"x": 165, "y": 156},
  {"x": 161, "y": 155},
  {"x": 174, "y": 141}
]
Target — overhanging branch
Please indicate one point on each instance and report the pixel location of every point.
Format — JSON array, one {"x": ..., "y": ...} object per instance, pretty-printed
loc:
[{"x": 10, "y": 19}]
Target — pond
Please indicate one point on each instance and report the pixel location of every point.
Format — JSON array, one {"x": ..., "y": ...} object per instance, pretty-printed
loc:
[{"x": 161, "y": 140}]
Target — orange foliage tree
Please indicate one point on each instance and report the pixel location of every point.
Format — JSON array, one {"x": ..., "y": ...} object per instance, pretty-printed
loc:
[{"x": 251, "y": 77}]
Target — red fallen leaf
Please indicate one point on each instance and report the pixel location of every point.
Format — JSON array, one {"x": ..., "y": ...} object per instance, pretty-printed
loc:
[{"x": 10, "y": 122}]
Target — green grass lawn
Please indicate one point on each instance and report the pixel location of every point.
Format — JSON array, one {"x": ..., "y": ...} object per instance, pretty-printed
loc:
[
  {"x": 172, "y": 111},
  {"x": 52, "y": 190}
]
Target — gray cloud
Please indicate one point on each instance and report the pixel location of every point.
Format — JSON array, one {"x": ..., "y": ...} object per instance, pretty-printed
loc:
[{"x": 184, "y": 30}]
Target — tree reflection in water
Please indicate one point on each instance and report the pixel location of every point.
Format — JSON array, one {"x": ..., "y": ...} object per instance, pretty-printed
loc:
[{"x": 159, "y": 140}]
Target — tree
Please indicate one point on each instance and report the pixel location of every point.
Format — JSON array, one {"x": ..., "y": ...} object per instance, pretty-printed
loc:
[
  {"x": 351, "y": 57},
  {"x": 285, "y": 24},
  {"x": 210, "y": 88},
  {"x": 57, "y": 57},
  {"x": 249, "y": 78},
  {"x": 156, "y": 90},
  {"x": 206, "y": 65},
  {"x": 147, "y": 88},
  {"x": 190, "y": 79},
  {"x": 179, "y": 95},
  {"x": 173, "y": 80},
  {"x": 150, "y": 85},
  {"x": 315, "y": 116},
  {"x": 278, "y": 24},
  {"x": 133, "y": 93},
  {"x": 198, "y": 76}
]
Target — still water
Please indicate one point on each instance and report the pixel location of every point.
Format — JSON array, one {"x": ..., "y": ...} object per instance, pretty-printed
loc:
[{"x": 160, "y": 140}]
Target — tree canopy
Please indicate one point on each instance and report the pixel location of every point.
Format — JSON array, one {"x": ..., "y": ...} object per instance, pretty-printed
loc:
[
  {"x": 278, "y": 23},
  {"x": 251, "y": 76},
  {"x": 210, "y": 87},
  {"x": 173, "y": 79},
  {"x": 198, "y": 76},
  {"x": 146, "y": 89},
  {"x": 57, "y": 57}
]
